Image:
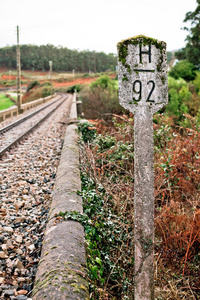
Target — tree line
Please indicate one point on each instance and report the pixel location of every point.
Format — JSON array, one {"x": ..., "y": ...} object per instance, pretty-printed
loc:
[
  {"x": 191, "y": 52},
  {"x": 37, "y": 58}
]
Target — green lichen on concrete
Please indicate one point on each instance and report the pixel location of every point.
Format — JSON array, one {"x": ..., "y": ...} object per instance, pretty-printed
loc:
[
  {"x": 83, "y": 287},
  {"x": 139, "y": 40},
  {"x": 56, "y": 284},
  {"x": 52, "y": 271},
  {"x": 125, "y": 78},
  {"x": 63, "y": 288},
  {"x": 40, "y": 262},
  {"x": 64, "y": 279},
  {"x": 73, "y": 148},
  {"x": 42, "y": 284},
  {"x": 54, "y": 247},
  {"x": 76, "y": 287},
  {"x": 163, "y": 79}
]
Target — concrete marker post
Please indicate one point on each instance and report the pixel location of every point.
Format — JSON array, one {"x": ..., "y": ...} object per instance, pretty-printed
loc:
[{"x": 142, "y": 75}]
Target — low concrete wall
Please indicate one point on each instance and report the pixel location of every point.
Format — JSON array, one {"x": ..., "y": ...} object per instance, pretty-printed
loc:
[
  {"x": 62, "y": 268},
  {"x": 8, "y": 113},
  {"x": 13, "y": 110},
  {"x": 34, "y": 103}
]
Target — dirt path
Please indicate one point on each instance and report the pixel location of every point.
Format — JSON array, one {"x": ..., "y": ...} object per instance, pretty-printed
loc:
[{"x": 73, "y": 82}]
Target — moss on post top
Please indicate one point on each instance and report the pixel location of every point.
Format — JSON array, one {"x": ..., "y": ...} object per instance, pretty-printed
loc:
[
  {"x": 139, "y": 39},
  {"x": 122, "y": 48}
]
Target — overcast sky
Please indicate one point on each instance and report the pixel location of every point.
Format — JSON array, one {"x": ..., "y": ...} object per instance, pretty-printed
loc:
[{"x": 93, "y": 24}]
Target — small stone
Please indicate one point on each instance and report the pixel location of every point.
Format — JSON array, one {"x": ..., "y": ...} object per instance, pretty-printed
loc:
[
  {"x": 21, "y": 183},
  {"x": 9, "y": 242},
  {"x": 1, "y": 280},
  {"x": 16, "y": 272},
  {"x": 3, "y": 255},
  {"x": 23, "y": 272},
  {"x": 4, "y": 247},
  {"x": 19, "y": 204},
  {"x": 8, "y": 293},
  {"x": 32, "y": 181},
  {"x": 19, "y": 264},
  {"x": 8, "y": 229},
  {"x": 21, "y": 279},
  {"x": 22, "y": 292},
  {"x": 19, "y": 239},
  {"x": 8, "y": 271},
  {"x": 14, "y": 282},
  {"x": 31, "y": 247},
  {"x": 19, "y": 251},
  {"x": 10, "y": 263},
  {"x": 21, "y": 297},
  {"x": 3, "y": 212}
]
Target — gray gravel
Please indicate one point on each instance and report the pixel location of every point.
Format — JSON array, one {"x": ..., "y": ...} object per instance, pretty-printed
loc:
[{"x": 27, "y": 176}]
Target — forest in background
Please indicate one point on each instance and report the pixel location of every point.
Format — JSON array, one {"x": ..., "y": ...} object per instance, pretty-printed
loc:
[{"x": 37, "y": 58}]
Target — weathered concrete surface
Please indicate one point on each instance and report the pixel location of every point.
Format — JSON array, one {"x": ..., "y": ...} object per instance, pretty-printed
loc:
[
  {"x": 143, "y": 205},
  {"x": 61, "y": 272},
  {"x": 73, "y": 113},
  {"x": 142, "y": 74}
]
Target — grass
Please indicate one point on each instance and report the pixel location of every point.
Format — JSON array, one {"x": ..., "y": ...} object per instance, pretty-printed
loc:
[{"x": 5, "y": 102}]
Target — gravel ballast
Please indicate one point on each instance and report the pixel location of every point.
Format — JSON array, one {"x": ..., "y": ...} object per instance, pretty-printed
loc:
[{"x": 27, "y": 177}]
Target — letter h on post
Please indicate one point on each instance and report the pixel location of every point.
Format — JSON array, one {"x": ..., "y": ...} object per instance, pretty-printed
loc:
[{"x": 145, "y": 52}]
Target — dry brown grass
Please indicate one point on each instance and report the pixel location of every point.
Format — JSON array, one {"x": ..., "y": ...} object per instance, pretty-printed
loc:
[{"x": 177, "y": 198}]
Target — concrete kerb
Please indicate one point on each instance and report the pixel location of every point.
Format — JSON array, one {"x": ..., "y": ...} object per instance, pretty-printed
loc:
[{"x": 62, "y": 269}]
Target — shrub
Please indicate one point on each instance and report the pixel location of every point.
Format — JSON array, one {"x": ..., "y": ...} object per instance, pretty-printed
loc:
[
  {"x": 32, "y": 85},
  {"x": 183, "y": 99},
  {"x": 100, "y": 98},
  {"x": 196, "y": 83},
  {"x": 176, "y": 83},
  {"x": 183, "y": 69},
  {"x": 88, "y": 131},
  {"x": 46, "y": 90},
  {"x": 72, "y": 89},
  {"x": 103, "y": 82},
  {"x": 41, "y": 91}
]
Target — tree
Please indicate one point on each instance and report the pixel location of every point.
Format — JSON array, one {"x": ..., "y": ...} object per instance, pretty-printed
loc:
[
  {"x": 183, "y": 69},
  {"x": 192, "y": 50}
]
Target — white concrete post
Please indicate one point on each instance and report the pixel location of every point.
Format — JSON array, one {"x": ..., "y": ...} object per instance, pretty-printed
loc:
[{"x": 142, "y": 75}]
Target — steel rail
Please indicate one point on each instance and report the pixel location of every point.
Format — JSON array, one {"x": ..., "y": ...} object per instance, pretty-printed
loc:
[
  {"x": 21, "y": 120},
  {"x": 34, "y": 126}
]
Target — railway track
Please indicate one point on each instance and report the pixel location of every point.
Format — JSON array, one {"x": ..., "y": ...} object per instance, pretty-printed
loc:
[
  {"x": 27, "y": 177},
  {"x": 16, "y": 131}
]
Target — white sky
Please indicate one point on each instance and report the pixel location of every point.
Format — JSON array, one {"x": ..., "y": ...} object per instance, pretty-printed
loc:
[{"x": 93, "y": 24}]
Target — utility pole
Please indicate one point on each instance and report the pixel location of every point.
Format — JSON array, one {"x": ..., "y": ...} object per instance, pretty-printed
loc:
[
  {"x": 19, "y": 104},
  {"x": 50, "y": 66}
]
